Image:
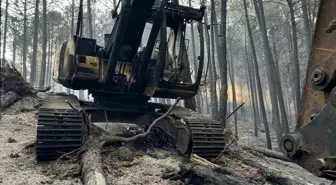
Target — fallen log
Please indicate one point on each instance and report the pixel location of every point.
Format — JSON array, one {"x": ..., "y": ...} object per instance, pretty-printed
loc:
[
  {"x": 92, "y": 170},
  {"x": 244, "y": 167},
  {"x": 199, "y": 174},
  {"x": 275, "y": 170},
  {"x": 268, "y": 153},
  {"x": 9, "y": 98}
]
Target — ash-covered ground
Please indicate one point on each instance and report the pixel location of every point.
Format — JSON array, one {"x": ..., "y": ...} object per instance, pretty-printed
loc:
[{"x": 126, "y": 164}]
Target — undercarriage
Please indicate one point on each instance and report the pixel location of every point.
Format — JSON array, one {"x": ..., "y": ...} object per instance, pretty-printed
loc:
[{"x": 63, "y": 126}]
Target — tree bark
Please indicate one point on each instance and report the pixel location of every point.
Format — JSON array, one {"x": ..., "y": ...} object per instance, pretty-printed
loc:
[
  {"x": 8, "y": 99},
  {"x": 92, "y": 170},
  {"x": 213, "y": 64},
  {"x": 251, "y": 166},
  {"x": 206, "y": 99},
  {"x": 223, "y": 67},
  {"x": 243, "y": 109},
  {"x": 307, "y": 26},
  {"x": 89, "y": 18},
  {"x": 260, "y": 92},
  {"x": 35, "y": 44},
  {"x": 295, "y": 59},
  {"x": 282, "y": 107},
  {"x": 72, "y": 17},
  {"x": 253, "y": 91},
  {"x": 44, "y": 46},
  {"x": 14, "y": 50},
  {"x": 234, "y": 98},
  {"x": 48, "y": 62},
  {"x": 5, "y": 31},
  {"x": 270, "y": 69},
  {"x": 24, "y": 52},
  {"x": 290, "y": 46}
]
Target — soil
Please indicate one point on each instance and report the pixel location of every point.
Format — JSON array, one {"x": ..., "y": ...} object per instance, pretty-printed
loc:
[
  {"x": 17, "y": 159},
  {"x": 122, "y": 165},
  {"x": 140, "y": 166}
]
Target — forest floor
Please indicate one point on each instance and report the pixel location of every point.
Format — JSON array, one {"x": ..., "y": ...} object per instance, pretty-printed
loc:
[
  {"x": 247, "y": 138},
  {"x": 123, "y": 165},
  {"x": 17, "y": 157}
]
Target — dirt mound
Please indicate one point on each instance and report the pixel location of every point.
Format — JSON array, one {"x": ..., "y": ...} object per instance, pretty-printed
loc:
[
  {"x": 12, "y": 80},
  {"x": 13, "y": 86}
]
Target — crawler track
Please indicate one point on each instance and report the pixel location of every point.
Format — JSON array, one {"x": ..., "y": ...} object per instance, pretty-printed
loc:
[
  {"x": 60, "y": 128},
  {"x": 207, "y": 135}
]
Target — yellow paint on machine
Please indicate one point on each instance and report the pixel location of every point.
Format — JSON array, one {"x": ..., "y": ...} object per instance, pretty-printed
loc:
[{"x": 91, "y": 63}]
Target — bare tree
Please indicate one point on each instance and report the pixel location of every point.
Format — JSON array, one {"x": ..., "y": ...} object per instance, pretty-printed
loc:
[
  {"x": 44, "y": 45},
  {"x": 90, "y": 18},
  {"x": 307, "y": 26},
  {"x": 256, "y": 69},
  {"x": 72, "y": 17},
  {"x": 295, "y": 54},
  {"x": 5, "y": 31},
  {"x": 234, "y": 98},
  {"x": 223, "y": 66},
  {"x": 35, "y": 43},
  {"x": 24, "y": 50}
]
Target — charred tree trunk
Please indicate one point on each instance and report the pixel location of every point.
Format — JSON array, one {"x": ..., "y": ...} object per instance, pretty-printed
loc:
[
  {"x": 280, "y": 97},
  {"x": 307, "y": 26},
  {"x": 213, "y": 61},
  {"x": 206, "y": 99},
  {"x": 234, "y": 98},
  {"x": 47, "y": 81},
  {"x": 275, "y": 83},
  {"x": 256, "y": 69},
  {"x": 24, "y": 51},
  {"x": 72, "y": 17},
  {"x": 295, "y": 59},
  {"x": 44, "y": 46},
  {"x": 223, "y": 67},
  {"x": 254, "y": 101},
  {"x": 14, "y": 50},
  {"x": 5, "y": 31},
  {"x": 90, "y": 19},
  {"x": 8, "y": 99},
  {"x": 290, "y": 46},
  {"x": 243, "y": 109},
  {"x": 35, "y": 44}
]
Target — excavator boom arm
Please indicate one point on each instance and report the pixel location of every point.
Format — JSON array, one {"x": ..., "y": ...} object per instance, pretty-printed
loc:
[{"x": 317, "y": 115}]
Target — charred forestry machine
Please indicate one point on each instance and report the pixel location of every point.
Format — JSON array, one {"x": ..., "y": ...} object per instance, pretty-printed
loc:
[
  {"x": 122, "y": 77},
  {"x": 313, "y": 145}
]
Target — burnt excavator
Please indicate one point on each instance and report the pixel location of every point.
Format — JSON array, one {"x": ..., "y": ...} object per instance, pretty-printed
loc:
[
  {"x": 121, "y": 76},
  {"x": 312, "y": 144}
]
